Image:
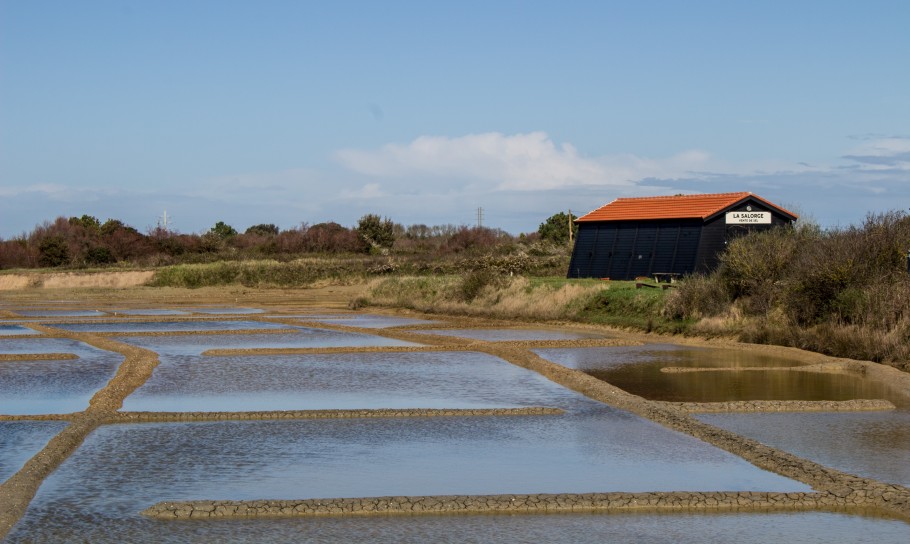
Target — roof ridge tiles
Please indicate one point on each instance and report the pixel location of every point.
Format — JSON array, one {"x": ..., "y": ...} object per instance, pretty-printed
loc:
[{"x": 694, "y": 206}]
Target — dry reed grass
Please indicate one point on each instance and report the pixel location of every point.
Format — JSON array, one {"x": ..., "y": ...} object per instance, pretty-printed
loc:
[{"x": 513, "y": 297}]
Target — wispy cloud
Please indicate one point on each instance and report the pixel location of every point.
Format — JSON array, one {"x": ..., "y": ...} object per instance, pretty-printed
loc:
[
  {"x": 882, "y": 154},
  {"x": 367, "y": 192}
]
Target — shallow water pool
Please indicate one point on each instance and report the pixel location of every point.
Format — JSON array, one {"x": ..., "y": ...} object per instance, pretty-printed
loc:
[
  {"x": 219, "y": 311},
  {"x": 517, "y": 335},
  {"x": 20, "y": 440},
  {"x": 150, "y": 311},
  {"x": 599, "y": 450},
  {"x": 167, "y": 326},
  {"x": 637, "y": 369},
  {"x": 369, "y": 321},
  {"x": 303, "y": 337},
  {"x": 758, "y": 528},
  {"x": 343, "y": 381},
  {"x": 868, "y": 444},
  {"x": 14, "y": 330},
  {"x": 53, "y": 386},
  {"x": 60, "y": 313}
]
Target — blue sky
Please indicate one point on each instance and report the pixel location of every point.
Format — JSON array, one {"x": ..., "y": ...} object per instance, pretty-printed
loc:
[{"x": 288, "y": 112}]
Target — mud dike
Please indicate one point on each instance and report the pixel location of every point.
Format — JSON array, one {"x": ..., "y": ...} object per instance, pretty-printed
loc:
[{"x": 832, "y": 489}]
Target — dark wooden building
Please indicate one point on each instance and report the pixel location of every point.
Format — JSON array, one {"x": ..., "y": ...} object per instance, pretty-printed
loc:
[{"x": 672, "y": 235}]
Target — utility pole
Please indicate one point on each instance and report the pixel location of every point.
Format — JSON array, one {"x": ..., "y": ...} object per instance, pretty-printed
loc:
[
  {"x": 571, "y": 233},
  {"x": 479, "y": 217}
]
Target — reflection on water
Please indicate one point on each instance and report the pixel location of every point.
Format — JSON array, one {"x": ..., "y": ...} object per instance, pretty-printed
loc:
[
  {"x": 600, "y": 449},
  {"x": 56, "y": 386},
  {"x": 12, "y": 330},
  {"x": 504, "y": 335},
  {"x": 304, "y": 337},
  {"x": 20, "y": 440},
  {"x": 802, "y": 527},
  {"x": 343, "y": 381},
  {"x": 638, "y": 370},
  {"x": 167, "y": 326},
  {"x": 869, "y": 444}
]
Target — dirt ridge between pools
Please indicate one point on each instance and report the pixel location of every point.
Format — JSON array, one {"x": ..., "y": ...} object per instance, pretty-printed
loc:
[
  {"x": 37, "y": 356},
  {"x": 854, "y": 405},
  {"x": 820, "y": 368},
  {"x": 743, "y": 501},
  {"x": 143, "y": 417}
]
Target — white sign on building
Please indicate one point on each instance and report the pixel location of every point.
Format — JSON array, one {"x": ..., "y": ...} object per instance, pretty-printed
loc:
[{"x": 748, "y": 218}]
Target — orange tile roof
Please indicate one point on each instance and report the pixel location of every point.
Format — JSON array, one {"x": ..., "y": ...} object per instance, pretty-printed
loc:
[{"x": 672, "y": 207}]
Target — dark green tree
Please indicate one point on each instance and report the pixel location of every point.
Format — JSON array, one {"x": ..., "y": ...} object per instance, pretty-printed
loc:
[
  {"x": 223, "y": 231},
  {"x": 88, "y": 222},
  {"x": 99, "y": 255},
  {"x": 53, "y": 251},
  {"x": 263, "y": 230},
  {"x": 378, "y": 233},
  {"x": 556, "y": 228}
]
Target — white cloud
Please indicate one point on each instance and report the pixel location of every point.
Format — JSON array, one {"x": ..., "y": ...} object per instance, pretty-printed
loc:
[
  {"x": 529, "y": 160},
  {"x": 533, "y": 162}
]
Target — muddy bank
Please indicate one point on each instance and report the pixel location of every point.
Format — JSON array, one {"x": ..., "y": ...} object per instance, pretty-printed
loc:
[
  {"x": 855, "y": 405},
  {"x": 37, "y": 356},
  {"x": 482, "y": 504},
  {"x": 146, "y": 417}
]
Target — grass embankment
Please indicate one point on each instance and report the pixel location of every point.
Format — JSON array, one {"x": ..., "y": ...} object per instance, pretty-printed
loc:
[
  {"x": 618, "y": 304},
  {"x": 300, "y": 273},
  {"x": 841, "y": 292}
]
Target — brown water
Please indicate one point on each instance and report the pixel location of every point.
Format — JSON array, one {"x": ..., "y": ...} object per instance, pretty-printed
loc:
[{"x": 637, "y": 369}]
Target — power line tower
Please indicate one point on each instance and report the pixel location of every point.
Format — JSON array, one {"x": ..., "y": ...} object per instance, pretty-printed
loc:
[{"x": 479, "y": 217}]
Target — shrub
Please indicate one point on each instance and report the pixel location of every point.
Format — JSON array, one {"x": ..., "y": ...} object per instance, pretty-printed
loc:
[
  {"x": 475, "y": 281},
  {"x": 53, "y": 251},
  {"x": 696, "y": 297},
  {"x": 99, "y": 255},
  {"x": 376, "y": 232},
  {"x": 556, "y": 228}
]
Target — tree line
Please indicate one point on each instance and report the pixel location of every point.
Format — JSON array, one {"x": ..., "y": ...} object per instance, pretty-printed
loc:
[{"x": 82, "y": 242}]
